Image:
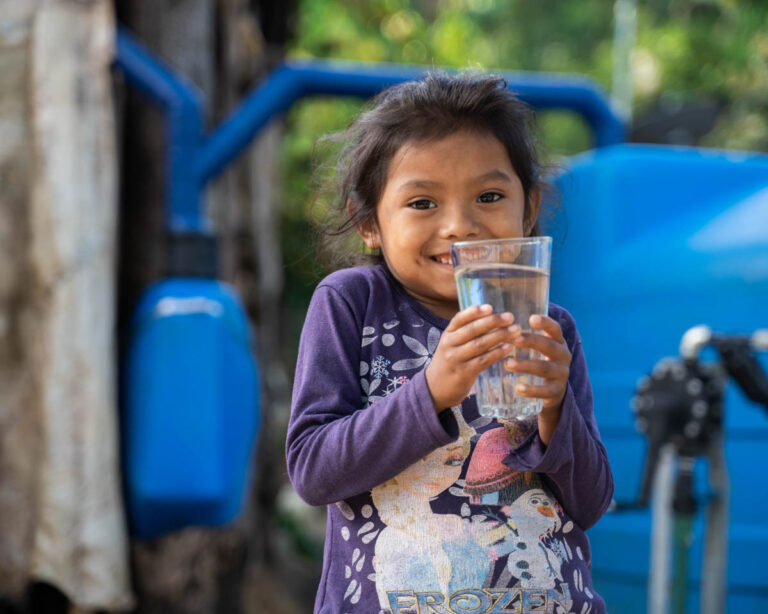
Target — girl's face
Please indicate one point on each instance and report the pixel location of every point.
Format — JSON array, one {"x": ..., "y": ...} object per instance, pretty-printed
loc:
[{"x": 458, "y": 188}]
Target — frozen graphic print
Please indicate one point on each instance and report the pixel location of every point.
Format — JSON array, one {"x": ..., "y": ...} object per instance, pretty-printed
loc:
[
  {"x": 460, "y": 532},
  {"x": 505, "y": 535}
]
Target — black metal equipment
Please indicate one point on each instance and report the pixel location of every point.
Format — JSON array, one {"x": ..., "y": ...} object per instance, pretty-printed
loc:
[{"x": 679, "y": 408}]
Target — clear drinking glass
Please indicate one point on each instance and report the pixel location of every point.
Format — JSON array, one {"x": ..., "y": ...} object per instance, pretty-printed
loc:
[{"x": 510, "y": 275}]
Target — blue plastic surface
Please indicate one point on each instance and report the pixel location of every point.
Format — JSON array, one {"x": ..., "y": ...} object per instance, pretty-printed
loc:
[
  {"x": 190, "y": 412},
  {"x": 650, "y": 241}
]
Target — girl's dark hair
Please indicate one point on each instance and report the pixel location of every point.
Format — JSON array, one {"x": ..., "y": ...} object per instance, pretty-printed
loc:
[{"x": 430, "y": 108}]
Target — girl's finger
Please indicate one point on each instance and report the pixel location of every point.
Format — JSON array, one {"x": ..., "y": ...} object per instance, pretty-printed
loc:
[
  {"x": 486, "y": 359},
  {"x": 550, "y": 390},
  {"x": 548, "y": 326},
  {"x": 465, "y": 316},
  {"x": 483, "y": 325},
  {"x": 555, "y": 351},
  {"x": 543, "y": 368},
  {"x": 479, "y": 345}
]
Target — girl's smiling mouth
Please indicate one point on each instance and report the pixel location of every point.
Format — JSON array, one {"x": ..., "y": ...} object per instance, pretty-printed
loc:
[{"x": 442, "y": 259}]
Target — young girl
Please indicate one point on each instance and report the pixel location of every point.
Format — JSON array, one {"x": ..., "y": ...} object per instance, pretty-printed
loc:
[{"x": 431, "y": 508}]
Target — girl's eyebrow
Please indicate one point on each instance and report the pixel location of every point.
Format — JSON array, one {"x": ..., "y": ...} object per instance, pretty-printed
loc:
[
  {"x": 492, "y": 175},
  {"x": 415, "y": 184}
]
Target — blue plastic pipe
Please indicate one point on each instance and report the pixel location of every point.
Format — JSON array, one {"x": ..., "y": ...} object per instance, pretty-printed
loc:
[
  {"x": 194, "y": 159},
  {"x": 296, "y": 80},
  {"x": 183, "y": 104}
]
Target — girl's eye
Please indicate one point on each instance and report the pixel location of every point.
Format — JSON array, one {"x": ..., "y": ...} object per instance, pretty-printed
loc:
[
  {"x": 489, "y": 197},
  {"x": 422, "y": 204}
]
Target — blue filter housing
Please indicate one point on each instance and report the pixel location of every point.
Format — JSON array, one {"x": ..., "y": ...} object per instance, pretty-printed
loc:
[
  {"x": 649, "y": 242},
  {"x": 190, "y": 412}
]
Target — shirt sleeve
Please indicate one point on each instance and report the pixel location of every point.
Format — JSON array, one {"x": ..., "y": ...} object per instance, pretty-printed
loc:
[
  {"x": 336, "y": 448},
  {"x": 575, "y": 463}
]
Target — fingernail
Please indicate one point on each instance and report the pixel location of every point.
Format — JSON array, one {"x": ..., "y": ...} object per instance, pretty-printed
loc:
[
  {"x": 485, "y": 307},
  {"x": 506, "y": 316},
  {"x": 514, "y": 329},
  {"x": 535, "y": 320}
]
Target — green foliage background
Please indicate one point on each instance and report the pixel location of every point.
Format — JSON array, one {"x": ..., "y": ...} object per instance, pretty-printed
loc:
[{"x": 704, "y": 50}]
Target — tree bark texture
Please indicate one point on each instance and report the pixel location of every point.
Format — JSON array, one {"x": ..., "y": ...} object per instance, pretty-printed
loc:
[{"x": 60, "y": 503}]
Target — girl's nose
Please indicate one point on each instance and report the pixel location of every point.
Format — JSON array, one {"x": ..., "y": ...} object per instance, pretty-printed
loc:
[{"x": 458, "y": 223}]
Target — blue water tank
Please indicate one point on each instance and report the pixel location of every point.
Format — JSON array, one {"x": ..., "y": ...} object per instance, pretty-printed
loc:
[
  {"x": 651, "y": 241},
  {"x": 190, "y": 407}
]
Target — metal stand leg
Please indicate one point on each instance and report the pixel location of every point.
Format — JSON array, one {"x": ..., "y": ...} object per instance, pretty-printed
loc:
[
  {"x": 715, "y": 564},
  {"x": 684, "y": 508},
  {"x": 664, "y": 534},
  {"x": 661, "y": 533}
]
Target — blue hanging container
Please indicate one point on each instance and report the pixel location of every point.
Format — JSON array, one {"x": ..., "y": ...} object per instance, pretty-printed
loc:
[
  {"x": 190, "y": 412},
  {"x": 189, "y": 390}
]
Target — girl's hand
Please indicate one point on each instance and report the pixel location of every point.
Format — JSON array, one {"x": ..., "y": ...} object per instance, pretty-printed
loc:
[
  {"x": 554, "y": 369},
  {"x": 474, "y": 339}
]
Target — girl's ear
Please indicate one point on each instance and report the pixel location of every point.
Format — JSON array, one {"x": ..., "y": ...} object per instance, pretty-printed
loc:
[
  {"x": 367, "y": 230},
  {"x": 369, "y": 233},
  {"x": 532, "y": 210}
]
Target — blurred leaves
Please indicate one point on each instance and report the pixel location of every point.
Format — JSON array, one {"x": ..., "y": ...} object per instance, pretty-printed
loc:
[{"x": 687, "y": 50}]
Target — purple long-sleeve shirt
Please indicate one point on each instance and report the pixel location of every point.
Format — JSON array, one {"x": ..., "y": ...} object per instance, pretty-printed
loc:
[{"x": 447, "y": 513}]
